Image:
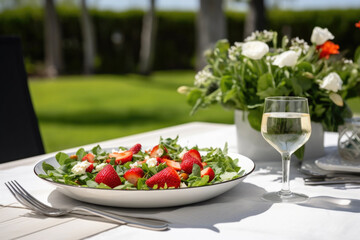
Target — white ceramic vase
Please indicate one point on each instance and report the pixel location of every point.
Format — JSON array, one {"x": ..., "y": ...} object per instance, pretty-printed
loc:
[{"x": 250, "y": 142}]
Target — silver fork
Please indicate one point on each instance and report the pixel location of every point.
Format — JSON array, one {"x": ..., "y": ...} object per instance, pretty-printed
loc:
[{"x": 26, "y": 199}]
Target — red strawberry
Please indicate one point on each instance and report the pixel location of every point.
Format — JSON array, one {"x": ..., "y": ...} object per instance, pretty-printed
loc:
[
  {"x": 89, "y": 157},
  {"x": 208, "y": 171},
  {"x": 155, "y": 152},
  {"x": 132, "y": 175},
  {"x": 121, "y": 158},
  {"x": 90, "y": 168},
  {"x": 193, "y": 153},
  {"x": 168, "y": 176},
  {"x": 136, "y": 148},
  {"x": 188, "y": 163},
  {"x": 160, "y": 160},
  {"x": 108, "y": 176},
  {"x": 173, "y": 164}
]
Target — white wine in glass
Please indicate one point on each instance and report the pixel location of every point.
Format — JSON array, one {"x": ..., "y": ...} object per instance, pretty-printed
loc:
[{"x": 286, "y": 126}]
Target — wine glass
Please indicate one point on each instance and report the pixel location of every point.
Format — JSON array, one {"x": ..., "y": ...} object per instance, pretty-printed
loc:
[{"x": 286, "y": 126}]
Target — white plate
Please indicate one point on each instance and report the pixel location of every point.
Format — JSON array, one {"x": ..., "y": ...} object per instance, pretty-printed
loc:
[
  {"x": 333, "y": 162},
  {"x": 147, "y": 198}
]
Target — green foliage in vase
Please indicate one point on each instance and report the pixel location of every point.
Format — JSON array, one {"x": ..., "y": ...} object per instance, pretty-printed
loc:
[{"x": 241, "y": 76}]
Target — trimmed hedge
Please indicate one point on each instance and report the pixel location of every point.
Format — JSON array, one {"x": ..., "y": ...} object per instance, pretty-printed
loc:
[{"x": 175, "y": 46}]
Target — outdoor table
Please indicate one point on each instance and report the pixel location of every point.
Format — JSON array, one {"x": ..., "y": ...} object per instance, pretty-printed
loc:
[{"x": 332, "y": 212}]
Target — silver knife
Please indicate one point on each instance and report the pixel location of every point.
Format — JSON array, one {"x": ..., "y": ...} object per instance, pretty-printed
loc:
[{"x": 321, "y": 180}]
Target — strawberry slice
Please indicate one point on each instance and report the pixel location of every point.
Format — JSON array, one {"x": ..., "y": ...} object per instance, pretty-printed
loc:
[
  {"x": 132, "y": 175},
  {"x": 136, "y": 148},
  {"x": 89, "y": 157},
  {"x": 168, "y": 176},
  {"x": 188, "y": 163},
  {"x": 160, "y": 160},
  {"x": 208, "y": 171},
  {"x": 158, "y": 152},
  {"x": 193, "y": 153},
  {"x": 108, "y": 176},
  {"x": 121, "y": 158},
  {"x": 90, "y": 168},
  {"x": 173, "y": 164}
]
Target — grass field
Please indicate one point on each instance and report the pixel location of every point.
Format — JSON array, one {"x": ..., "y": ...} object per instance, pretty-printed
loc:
[{"x": 78, "y": 110}]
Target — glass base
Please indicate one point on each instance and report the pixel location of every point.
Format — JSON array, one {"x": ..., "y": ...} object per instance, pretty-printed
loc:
[{"x": 288, "y": 197}]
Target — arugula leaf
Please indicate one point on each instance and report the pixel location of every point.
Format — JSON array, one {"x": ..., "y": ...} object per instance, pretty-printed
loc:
[
  {"x": 61, "y": 157},
  {"x": 47, "y": 167},
  {"x": 196, "y": 170},
  {"x": 80, "y": 154},
  {"x": 102, "y": 185},
  {"x": 200, "y": 182},
  {"x": 91, "y": 183},
  {"x": 228, "y": 176}
]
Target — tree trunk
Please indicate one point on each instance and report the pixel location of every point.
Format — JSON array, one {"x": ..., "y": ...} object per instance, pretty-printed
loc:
[
  {"x": 211, "y": 27},
  {"x": 148, "y": 34},
  {"x": 256, "y": 17},
  {"x": 53, "y": 53},
  {"x": 88, "y": 35}
]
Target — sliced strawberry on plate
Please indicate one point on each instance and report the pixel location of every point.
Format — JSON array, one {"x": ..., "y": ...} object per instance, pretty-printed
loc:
[
  {"x": 121, "y": 158},
  {"x": 89, "y": 157},
  {"x": 173, "y": 164},
  {"x": 132, "y": 175},
  {"x": 108, "y": 176},
  {"x": 168, "y": 176},
  {"x": 136, "y": 148},
  {"x": 208, "y": 171},
  {"x": 90, "y": 168},
  {"x": 193, "y": 153},
  {"x": 188, "y": 163},
  {"x": 158, "y": 151}
]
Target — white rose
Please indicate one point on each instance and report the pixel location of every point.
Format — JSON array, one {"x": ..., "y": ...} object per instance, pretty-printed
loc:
[
  {"x": 288, "y": 58},
  {"x": 254, "y": 49},
  {"x": 332, "y": 82},
  {"x": 320, "y": 35}
]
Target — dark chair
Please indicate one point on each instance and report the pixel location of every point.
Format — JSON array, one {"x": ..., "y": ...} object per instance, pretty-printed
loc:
[{"x": 19, "y": 131}]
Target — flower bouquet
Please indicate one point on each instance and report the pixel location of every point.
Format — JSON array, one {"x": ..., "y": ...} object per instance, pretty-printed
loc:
[{"x": 241, "y": 76}]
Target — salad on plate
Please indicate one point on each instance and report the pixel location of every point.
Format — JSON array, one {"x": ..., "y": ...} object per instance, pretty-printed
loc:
[{"x": 164, "y": 166}]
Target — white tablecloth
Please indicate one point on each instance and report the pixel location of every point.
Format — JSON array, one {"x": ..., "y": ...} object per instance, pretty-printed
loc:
[{"x": 332, "y": 212}]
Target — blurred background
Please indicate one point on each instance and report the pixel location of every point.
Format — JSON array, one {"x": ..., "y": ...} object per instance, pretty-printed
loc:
[{"x": 102, "y": 69}]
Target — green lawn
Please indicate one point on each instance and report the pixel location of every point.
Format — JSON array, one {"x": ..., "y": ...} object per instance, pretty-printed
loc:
[{"x": 78, "y": 110}]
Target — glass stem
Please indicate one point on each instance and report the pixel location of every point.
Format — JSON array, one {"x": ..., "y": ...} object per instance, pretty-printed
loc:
[{"x": 285, "y": 190}]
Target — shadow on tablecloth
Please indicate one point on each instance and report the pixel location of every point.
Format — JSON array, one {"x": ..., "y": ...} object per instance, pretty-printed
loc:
[
  {"x": 331, "y": 203},
  {"x": 239, "y": 203}
]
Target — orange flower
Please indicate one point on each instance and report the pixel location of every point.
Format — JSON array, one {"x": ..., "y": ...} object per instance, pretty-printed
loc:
[
  {"x": 327, "y": 49},
  {"x": 357, "y": 24}
]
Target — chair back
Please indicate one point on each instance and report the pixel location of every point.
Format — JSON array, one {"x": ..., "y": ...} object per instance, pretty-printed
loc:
[{"x": 19, "y": 131}]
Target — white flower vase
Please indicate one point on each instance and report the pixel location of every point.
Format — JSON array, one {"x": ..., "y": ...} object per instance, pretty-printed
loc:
[{"x": 250, "y": 142}]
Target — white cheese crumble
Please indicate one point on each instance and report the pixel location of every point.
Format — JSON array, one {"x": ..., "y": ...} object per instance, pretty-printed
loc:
[
  {"x": 117, "y": 151},
  {"x": 135, "y": 164},
  {"x": 151, "y": 162},
  {"x": 80, "y": 167},
  {"x": 183, "y": 185},
  {"x": 159, "y": 152},
  {"x": 100, "y": 166}
]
